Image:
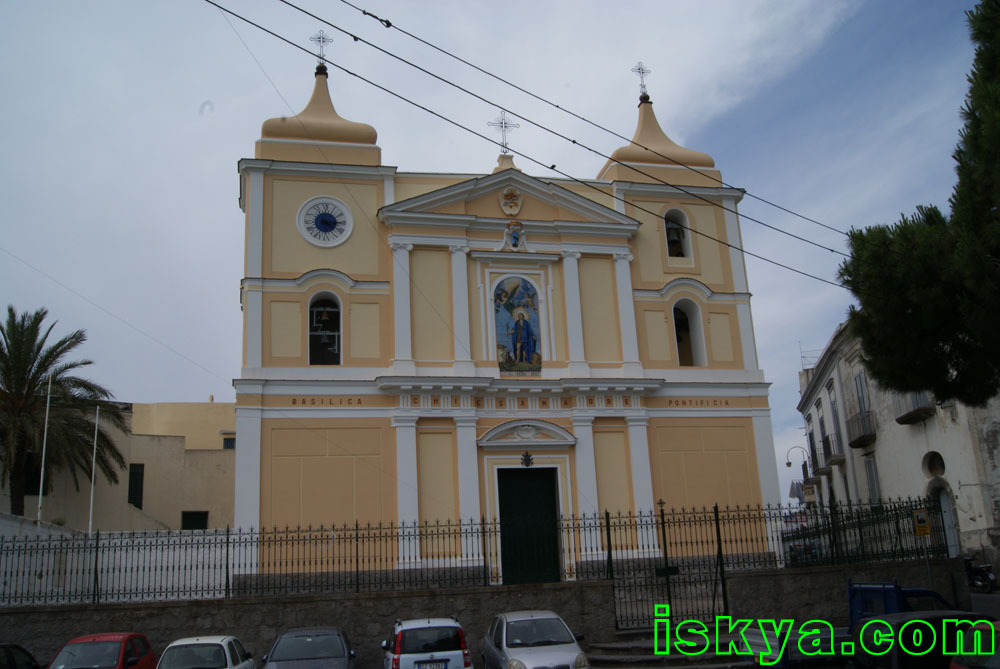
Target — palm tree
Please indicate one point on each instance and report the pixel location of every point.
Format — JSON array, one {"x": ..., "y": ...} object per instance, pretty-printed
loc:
[{"x": 26, "y": 365}]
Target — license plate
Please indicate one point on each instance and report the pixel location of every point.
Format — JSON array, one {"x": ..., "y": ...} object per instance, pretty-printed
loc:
[{"x": 432, "y": 665}]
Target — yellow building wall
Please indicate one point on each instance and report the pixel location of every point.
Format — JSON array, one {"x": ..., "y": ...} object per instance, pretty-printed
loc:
[
  {"x": 364, "y": 326},
  {"x": 654, "y": 335},
  {"x": 430, "y": 305},
  {"x": 598, "y": 302},
  {"x": 697, "y": 462},
  {"x": 287, "y": 321},
  {"x": 327, "y": 472},
  {"x": 202, "y": 424},
  {"x": 437, "y": 474},
  {"x": 287, "y": 254},
  {"x": 614, "y": 481}
]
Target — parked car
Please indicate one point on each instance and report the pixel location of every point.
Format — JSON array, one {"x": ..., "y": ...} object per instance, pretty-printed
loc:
[
  {"x": 984, "y": 660},
  {"x": 119, "y": 650},
  {"x": 527, "y": 639},
  {"x": 13, "y": 656},
  {"x": 426, "y": 643},
  {"x": 206, "y": 652},
  {"x": 311, "y": 648}
]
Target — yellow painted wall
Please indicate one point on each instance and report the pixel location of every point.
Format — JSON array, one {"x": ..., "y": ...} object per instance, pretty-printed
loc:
[
  {"x": 654, "y": 337},
  {"x": 720, "y": 337},
  {"x": 598, "y": 302},
  {"x": 702, "y": 461},
  {"x": 327, "y": 472},
  {"x": 200, "y": 423},
  {"x": 286, "y": 253},
  {"x": 363, "y": 322},
  {"x": 430, "y": 304},
  {"x": 437, "y": 474},
  {"x": 287, "y": 321},
  {"x": 614, "y": 481}
]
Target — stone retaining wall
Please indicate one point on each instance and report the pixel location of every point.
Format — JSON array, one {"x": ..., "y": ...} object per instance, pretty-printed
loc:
[{"x": 587, "y": 606}]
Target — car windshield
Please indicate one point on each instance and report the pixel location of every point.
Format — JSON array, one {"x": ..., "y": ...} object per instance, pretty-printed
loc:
[
  {"x": 88, "y": 654},
  {"x": 194, "y": 656},
  {"x": 307, "y": 647},
  {"x": 431, "y": 640},
  {"x": 537, "y": 632}
]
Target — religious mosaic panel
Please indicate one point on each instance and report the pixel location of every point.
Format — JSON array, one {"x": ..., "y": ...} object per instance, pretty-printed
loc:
[{"x": 515, "y": 303}]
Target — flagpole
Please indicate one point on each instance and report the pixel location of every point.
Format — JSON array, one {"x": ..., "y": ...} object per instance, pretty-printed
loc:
[
  {"x": 93, "y": 471},
  {"x": 45, "y": 439}
]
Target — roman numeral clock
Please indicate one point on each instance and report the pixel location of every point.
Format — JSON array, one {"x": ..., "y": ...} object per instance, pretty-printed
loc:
[{"x": 325, "y": 221}]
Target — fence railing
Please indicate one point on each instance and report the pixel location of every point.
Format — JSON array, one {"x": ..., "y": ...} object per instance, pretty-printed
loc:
[{"x": 684, "y": 553}]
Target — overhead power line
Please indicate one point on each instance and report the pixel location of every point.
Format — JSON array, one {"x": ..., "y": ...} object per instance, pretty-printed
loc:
[
  {"x": 389, "y": 24},
  {"x": 565, "y": 137},
  {"x": 551, "y": 167}
]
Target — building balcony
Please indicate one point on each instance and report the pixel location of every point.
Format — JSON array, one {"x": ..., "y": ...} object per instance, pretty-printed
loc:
[
  {"x": 833, "y": 450},
  {"x": 861, "y": 429},
  {"x": 806, "y": 478},
  {"x": 913, "y": 407}
]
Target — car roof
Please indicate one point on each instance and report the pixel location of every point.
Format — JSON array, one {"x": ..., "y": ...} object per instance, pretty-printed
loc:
[
  {"x": 529, "y": 615},
  {"x": 427, "y": 622},
  {"x": 104, "y": 636},
  {"x": 200, "y": 639},
  {"x": 305, "y": 631}
]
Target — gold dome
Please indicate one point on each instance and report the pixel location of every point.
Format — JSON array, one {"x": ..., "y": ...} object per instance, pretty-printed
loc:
[{"x": 649, "y": 134}]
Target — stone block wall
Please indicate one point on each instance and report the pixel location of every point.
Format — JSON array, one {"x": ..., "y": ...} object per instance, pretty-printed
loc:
[{"x": 586, "y": 606}]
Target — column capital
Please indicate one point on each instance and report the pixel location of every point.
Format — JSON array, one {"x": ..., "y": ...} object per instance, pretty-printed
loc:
[
  {"x": 405, "y": 421},
  {"x": 637, "y": 421},
  {"x": 465, "y": 421},
  {"x": 582, "y": 420},
  {"x": 397, "y": 246},
  {"x": 623, "y": 255},
  {"x": 458, "y": 248},
  {"x": 575, "y": 255}
]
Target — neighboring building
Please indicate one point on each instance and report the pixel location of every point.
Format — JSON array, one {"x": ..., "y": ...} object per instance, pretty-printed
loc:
[
  {"x": 178, "y": 474},
  {"x": 423, "y": 347},
  {"x": 866, "y": 443}
]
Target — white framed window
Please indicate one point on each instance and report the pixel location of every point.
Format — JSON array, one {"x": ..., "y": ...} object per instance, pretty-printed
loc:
[
  {"x": 324, "y": 330},
  {"x": 678, "y": 234},
  {"x": 689, "y": 335}
]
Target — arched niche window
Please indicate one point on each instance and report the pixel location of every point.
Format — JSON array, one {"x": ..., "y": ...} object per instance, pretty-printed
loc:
[
  {"x": 678, "y": 235},
  {"x": 324, "y": 332},
  {"x": 689, "y": 334}
]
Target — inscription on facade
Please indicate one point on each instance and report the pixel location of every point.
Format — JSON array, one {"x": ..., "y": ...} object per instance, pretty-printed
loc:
[
  {"x": 327, "y": 401},
  {"x": 697, "y": 402}
]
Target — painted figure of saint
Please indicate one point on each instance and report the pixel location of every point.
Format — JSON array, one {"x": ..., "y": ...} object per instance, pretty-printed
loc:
[
  {"x": 515, "y": 304},
  {"x": 522, "y": 340}
]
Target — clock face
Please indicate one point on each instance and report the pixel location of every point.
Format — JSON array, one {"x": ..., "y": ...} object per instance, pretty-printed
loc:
[{"x": 324, "y": 221}]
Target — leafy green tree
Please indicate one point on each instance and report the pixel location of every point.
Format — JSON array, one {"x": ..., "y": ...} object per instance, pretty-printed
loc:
[
  {"x": 929, "y": 286},
  {"x": 26, "y": 365}
]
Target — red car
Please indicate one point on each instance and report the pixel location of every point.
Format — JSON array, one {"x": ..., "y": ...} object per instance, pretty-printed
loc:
[{"x": 106, "y": 651}]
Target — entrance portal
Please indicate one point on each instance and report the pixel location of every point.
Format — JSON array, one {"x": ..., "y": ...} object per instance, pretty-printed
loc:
[{"x": 529, "y": 525}]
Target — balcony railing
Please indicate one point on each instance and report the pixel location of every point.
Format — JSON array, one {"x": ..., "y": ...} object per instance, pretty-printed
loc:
[
  {"x": 913, "y": 407},
  {"x": 861, "y": 429},
  {"x": 833, "y": 451}
]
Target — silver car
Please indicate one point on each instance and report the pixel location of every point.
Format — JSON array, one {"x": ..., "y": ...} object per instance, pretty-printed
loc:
[
  {"x": 311, "y": 648},
  {"x": 528, "y": 639}
]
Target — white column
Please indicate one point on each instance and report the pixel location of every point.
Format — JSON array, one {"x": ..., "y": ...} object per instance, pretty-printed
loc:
[
  {"x": 255, "y": 223},
  {"x": 626, "y": 314},
  {"x": 254, "y": 324},
  {"x": 586, "y": 465},
  {"x": 574, "y": 315},
  {"x": 460, "y": 310},
  {"x": 407, "y": 494},
  {"x": 468, "y": 467},
  {"x": 246, "y": 494},
  {"x": 767, "y": 467},
  {"x": 403, "y": 360},
  {"x": 638, "y": 451}
]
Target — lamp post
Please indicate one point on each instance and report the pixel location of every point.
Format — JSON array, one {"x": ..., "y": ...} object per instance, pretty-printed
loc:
[{"x": 805, "y": 455}]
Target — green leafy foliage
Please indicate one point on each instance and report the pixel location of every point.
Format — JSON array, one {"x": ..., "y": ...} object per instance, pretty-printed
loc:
[
  {"x": 26, "y": 365},
  {"x": 929, "y": 286}
]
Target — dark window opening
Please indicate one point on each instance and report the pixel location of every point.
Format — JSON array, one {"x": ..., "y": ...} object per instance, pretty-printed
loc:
[
  {"x": 229, "y": 443},
  {"x": 33, "y": 475},
  {"x": 324, "y": 333},
  {"x": 682, "y": 329},
  {"x": 676, "y": 231},
  {"x": 136, "y": 473},
  {"x": 194, "y": 520}
]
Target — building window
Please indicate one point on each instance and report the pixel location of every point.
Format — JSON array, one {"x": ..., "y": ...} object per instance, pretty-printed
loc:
[
  {"x": 678, "y": 235},
  {"x": 861, "y": 386},
  {"x": 136, "y": 473},
  {"x": 324, "y": 332},
  {"x": 871, "y": 471},
  {"x": 689, "y": 335},
  {"x": 228, "y": 443},
  {"x": 194, "y": 520}
]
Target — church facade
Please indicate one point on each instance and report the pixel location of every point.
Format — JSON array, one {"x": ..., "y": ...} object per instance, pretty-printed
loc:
[{"x": 431, "y": 347}]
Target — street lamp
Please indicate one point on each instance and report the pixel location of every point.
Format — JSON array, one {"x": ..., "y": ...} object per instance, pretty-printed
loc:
[{"x": 805, "y": 455}]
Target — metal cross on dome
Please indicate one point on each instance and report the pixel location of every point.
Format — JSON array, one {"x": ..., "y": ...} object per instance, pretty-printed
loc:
[
  {"x": 642, "y": 72},
  {"x": 321, "y": 39},
  {"x": 504, "y": 126}
]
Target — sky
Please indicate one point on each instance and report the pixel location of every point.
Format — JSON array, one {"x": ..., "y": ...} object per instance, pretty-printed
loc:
[{"x": 123, "y": 123}]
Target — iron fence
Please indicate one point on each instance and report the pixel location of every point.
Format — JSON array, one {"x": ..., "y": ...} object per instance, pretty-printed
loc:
[{"x": 679, "y": 557}]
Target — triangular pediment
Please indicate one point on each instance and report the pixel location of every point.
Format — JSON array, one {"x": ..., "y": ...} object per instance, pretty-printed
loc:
[{"x": 479, "y": 201}]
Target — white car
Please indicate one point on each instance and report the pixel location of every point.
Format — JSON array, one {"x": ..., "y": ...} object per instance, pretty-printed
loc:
[
  {"x": 528, "y": 639},
  {"x": 206, "y": 652},
  {"x": 426, "y": 643}
]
